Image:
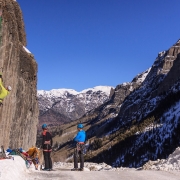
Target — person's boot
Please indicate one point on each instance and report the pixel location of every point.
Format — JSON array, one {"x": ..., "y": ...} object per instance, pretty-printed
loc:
[
  {"x": 81, "y": 169},
  {"x": 74, "y": 169},
  {"x": 45, "y": 169}
]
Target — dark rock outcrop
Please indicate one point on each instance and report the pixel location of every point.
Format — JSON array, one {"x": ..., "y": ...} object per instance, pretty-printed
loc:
[{"x": 19, "y": 114}]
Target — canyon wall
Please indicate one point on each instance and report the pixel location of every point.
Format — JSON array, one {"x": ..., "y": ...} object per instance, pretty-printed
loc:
[{"x": 19, "y": 113}]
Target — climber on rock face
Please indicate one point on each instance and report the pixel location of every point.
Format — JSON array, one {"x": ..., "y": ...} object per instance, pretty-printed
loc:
[{"x": 3, "y": 91}]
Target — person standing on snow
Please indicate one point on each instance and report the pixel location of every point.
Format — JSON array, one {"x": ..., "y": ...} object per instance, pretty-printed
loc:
[
  {"x": 47, "y": 147},
  {"x": 3, "y": 91},
  {"x": 80, "y": 140}
]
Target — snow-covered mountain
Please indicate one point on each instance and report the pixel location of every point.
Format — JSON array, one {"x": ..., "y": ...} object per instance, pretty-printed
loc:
[
  {"x": 141, "y": 120},
  {"x": 147, "y": 124},
  {"x": 112, "y": 107},
  {"x": 63, "y": 105}
]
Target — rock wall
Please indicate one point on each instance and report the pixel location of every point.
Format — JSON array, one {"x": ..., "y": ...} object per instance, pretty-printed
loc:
[
  {"x": 163, "y": 74},
  {"x": 19, "y": 114},
  {"x": 173, "y": 75}
]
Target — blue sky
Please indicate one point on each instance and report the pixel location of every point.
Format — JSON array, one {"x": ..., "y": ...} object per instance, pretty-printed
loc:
[{"x": 79, "y": 44}]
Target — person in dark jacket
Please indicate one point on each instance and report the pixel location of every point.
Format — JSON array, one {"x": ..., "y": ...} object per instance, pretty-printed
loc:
[
  {"x": 47, "y": 147},
  {"x": 80, "y": 142}
]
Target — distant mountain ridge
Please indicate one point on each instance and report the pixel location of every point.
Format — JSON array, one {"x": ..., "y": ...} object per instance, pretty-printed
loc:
[
  {"x": 62, "y": 92},
  {"x": 59, "y": 106}
]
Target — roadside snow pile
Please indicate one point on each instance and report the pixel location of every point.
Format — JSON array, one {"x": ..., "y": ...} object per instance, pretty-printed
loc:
[
  {"x": 88, "y": 166},
  {"x": 172, "y": 163},
  {"x": 13, "y": 169}
]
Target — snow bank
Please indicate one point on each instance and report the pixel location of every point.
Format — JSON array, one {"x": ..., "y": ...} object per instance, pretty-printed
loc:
[
  {"x": 13, "y": 169},
  {"x": 172, "y": 163}
]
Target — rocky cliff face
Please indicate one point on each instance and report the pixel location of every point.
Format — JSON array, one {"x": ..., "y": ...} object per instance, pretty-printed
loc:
[
  {"x": 173, "y": 75},
  {"x": 19, "y": 114},
  {"x": 163, "y": 74}
]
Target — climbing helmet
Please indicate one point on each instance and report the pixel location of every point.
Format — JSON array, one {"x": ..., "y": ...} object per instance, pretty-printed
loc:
[
  {"x": 80, "y": 126},
  {"x": 44, "y": 126}
]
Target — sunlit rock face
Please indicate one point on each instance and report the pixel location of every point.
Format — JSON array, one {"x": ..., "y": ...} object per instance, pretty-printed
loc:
[
  {"x": 19, "y": 114},
  {"x": 164, "y": 74}
]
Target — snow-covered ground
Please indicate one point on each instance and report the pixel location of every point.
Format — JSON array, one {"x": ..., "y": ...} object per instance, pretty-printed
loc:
[
  {"x": 13, "y": 169},
  {"x": 172, "y": 163},
  {"x": 16, "y": 169}
]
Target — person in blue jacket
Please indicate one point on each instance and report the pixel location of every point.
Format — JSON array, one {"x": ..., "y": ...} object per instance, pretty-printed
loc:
[{"x": 80, "y": 142}]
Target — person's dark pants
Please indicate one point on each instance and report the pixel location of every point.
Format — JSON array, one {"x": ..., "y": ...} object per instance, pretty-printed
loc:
[
  {"x": 47, "y": 159},
  {"x": 81, "y": 158}
]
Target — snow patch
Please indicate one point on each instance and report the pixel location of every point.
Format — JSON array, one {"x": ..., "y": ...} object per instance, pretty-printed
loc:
[
  {"x": 172, "y": 163},
  {"x": 13, "y": 169},
  {"x": 105, "y": 89},
  {"x": 26, "y": 50}
]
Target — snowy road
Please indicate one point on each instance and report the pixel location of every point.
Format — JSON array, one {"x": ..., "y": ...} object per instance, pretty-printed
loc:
[
  {"x": 16, "y": 170},
  {"x": 105, "y": 175}
]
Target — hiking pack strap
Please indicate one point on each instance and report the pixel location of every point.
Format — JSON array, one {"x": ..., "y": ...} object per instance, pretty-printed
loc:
[{"x": 80, "y": 142}]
